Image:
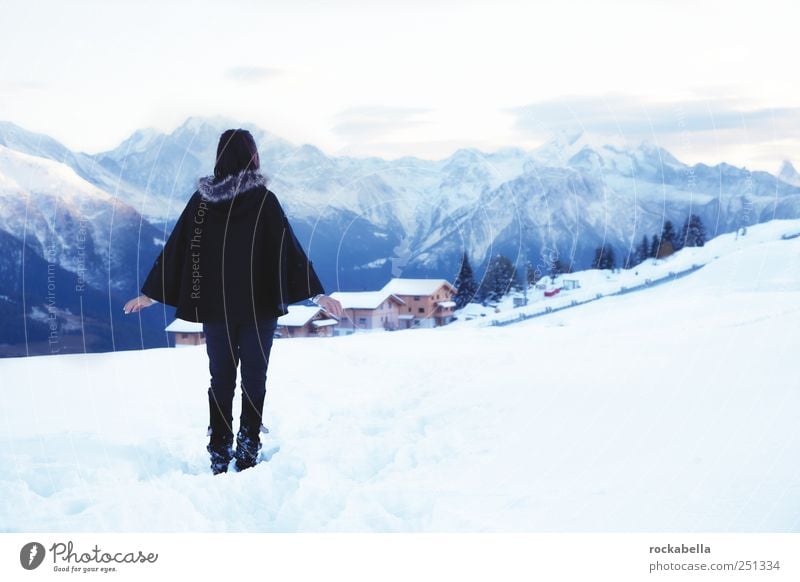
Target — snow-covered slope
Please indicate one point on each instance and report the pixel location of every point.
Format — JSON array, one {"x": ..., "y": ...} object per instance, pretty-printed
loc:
[
  {"x": 85, "y": 165},
  {"x": 591, "y": 283},
  {"x": 71, "y": 222},
  {"x": 72, "y": 255},
  {"x": 671, "y": 409}
]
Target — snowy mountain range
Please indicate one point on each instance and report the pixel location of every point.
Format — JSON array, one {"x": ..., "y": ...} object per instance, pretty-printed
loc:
[{"x": 363, "y": 220}]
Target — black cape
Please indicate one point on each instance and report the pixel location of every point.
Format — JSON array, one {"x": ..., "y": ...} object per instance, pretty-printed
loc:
[{"x": 232, "y": 256}]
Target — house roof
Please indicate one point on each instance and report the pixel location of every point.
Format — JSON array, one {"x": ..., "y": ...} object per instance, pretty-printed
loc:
[
  {"x": 323, "y": 322},
  {"x": 447, "y": 303},
  {"x": 364, "y": 299},
  {"x": 299, "y": 315},
  {"x": 415, "y": 286},
  {"x": 182, "y": 326}
]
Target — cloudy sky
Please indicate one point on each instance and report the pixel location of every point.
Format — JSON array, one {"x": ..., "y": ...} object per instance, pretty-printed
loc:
[{"x": 710, "y": 81}]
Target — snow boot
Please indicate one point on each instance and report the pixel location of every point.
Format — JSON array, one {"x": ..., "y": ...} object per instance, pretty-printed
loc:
[
  {"x": 219, "y": 432},
  {"x": 248, "y": 444},
  {"x": 221, "y": 454}
]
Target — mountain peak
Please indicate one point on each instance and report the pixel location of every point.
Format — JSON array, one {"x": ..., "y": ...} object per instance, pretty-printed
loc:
[
  {"x": 565, "y": 138},
  {"x": 217, "y": 123},
  {"x": 466, "y": 155},
  {"x": 789, "y": 174},
  {"x": 565, "y": 144},
  {"x": 140, "y": 140},
  {"x": 650, "y": 149}
]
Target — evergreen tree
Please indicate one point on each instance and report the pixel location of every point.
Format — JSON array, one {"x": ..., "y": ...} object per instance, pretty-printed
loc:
[
  {"x": 694, "y": 232},
  {"x": 642, "y": 251},
  {"x": 667, "y": 245},
  {"x": 604, "y": 257},
  {"x": 680, "y": 238},
  {"x": 631, "y": 258},
  {"x": 528, "y": 278},
  {"x": 700, "y": 235},
  {"x": 654, "y": 247},
  {"x": 668, "y": 233},
  {"x": 500, "y": 277},
  {"x": 556, "y": 268},
  {"x": 465, "y": 283},
  {"x": 531, "y": 275}
]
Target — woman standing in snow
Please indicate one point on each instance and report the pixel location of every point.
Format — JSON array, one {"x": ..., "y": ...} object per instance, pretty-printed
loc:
[{"x": 233, "y": 263}]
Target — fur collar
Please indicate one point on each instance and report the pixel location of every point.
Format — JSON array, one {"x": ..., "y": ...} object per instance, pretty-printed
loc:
[{"x": 230, "y": 186}]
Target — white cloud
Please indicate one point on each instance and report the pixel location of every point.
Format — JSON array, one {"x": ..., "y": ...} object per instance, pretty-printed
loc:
[
  {"x": 251, "y": 74},
  {"x": 371, "y": 122},
  {"x": 376, "y": 77}
]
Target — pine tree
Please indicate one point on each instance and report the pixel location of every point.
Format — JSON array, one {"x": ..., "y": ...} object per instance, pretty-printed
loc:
[
  {"x": 695, "y": 232},
  {"x": 642, "y": 251},
  {"x": 668, "y": 233},
  {"x": 530, "y": 274},
  {"x": 667, "y": 245},
  {"x": 604, "y": 257},
  {"x": 500, "y": 277},
  {"x": 654, "y": 247},
  {"x": 680, "y": 238},
  {"x": 700, "y": 236},
  {"x": 556, "y": 268},
  {"x": 465, "y": 283},
  {"x": 631, "y": 258}
]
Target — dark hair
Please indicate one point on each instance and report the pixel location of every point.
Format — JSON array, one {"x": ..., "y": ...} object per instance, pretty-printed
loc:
[{"x": 236, "y": 152}]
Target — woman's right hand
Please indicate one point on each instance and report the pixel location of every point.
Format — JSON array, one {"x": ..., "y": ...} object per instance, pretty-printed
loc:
[
  {"x": 137, "y": 304},
  {"x": 331, "y": 305}
]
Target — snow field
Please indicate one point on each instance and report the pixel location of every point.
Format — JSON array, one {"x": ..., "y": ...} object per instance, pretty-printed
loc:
[{"x": 674, "y": 408}]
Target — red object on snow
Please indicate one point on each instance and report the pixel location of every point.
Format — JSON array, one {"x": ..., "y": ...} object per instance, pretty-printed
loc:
[{"x": 552, "y": 292}]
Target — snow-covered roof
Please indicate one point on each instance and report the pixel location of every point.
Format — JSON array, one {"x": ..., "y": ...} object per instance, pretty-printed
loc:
[
  {"x": 323, "y": 322},
  {"x": 363, "y": 299},
  {"x": 299, "y": 315},
  {"x": 183, "y": 326},
  {"x": 447, "y": 303},
  {"x": 415, "y": 286},
  {"x": 406, "y": 316}
]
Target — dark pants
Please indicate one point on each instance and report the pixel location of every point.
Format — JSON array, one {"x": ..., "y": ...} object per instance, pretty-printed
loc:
[{"x": 227, "y": 345}]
